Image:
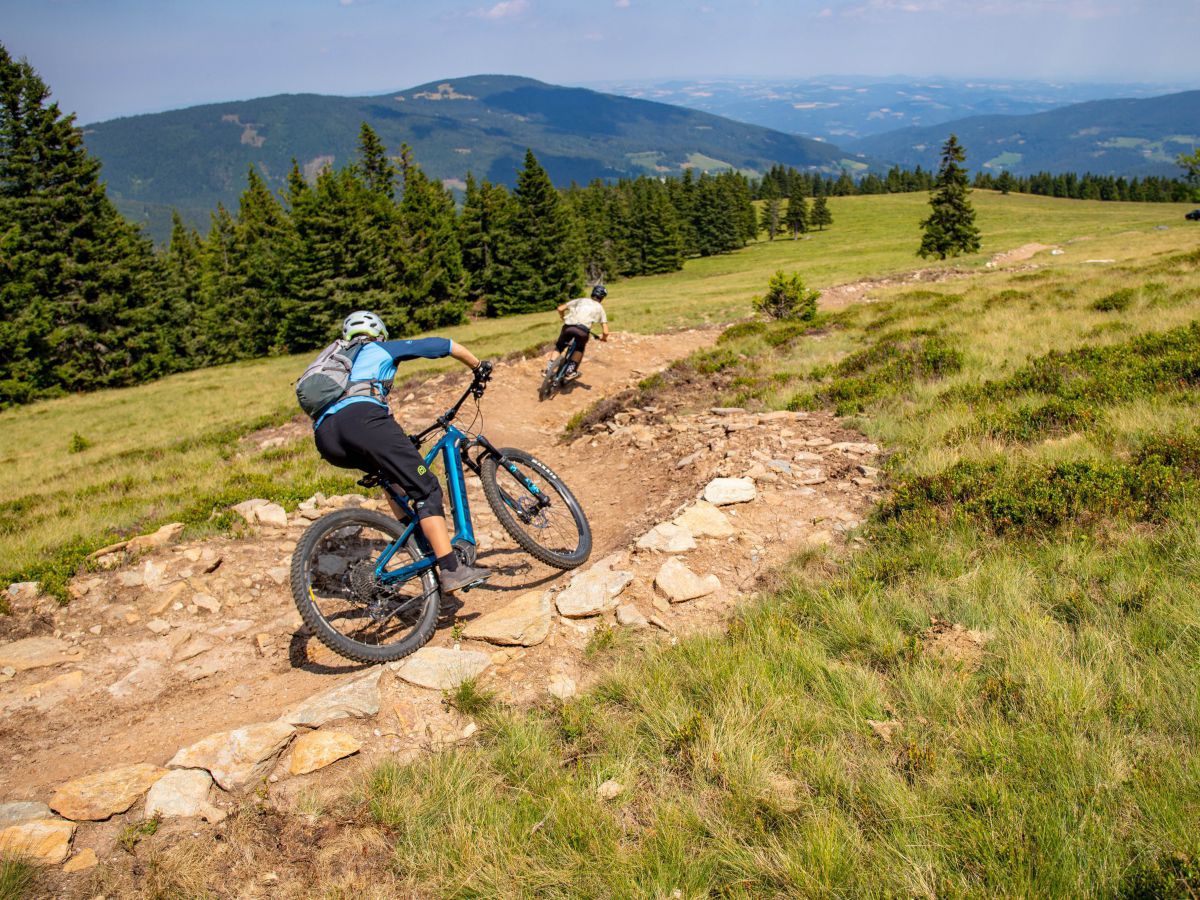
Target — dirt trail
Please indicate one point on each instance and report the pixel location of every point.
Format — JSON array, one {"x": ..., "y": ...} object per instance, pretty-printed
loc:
[{"x": 191, "y": 639}]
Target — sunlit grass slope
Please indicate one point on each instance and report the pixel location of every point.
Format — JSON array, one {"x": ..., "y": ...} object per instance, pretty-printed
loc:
[
  {"x": 170, "y": 449},
  {"x": 1045, "y": 467}
]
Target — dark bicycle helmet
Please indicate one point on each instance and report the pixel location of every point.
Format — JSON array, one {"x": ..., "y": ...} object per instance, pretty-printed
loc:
[{"x": 599, "y": 292}]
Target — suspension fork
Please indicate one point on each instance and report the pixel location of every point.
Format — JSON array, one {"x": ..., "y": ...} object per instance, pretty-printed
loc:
[{"x": 489, "y": 450}]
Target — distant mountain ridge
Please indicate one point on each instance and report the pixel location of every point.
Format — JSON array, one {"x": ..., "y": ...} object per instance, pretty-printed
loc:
[
  {"x": 1129, "y": 137},
  {"x": 193, "y": 158}
]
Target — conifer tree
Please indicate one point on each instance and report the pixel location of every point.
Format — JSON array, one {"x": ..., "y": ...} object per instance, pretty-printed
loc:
[
  {"x": 797, "y": 211},
  {"x": 539, "y": 260},
  {"x": 181, "y": 287},
  {"x": 485, "y": 213},
  {"x": 76, "y": 304},
  {"x": 264, "y": 251},
  {"x": 433, "y": 279},
  {"x": 654, "y": 232},
  {"x": 821, "y": 216},
  {"x": 950, "y": 228},
  {"x": 374, "y": 167},
  {"x": 771, "y": 212}
]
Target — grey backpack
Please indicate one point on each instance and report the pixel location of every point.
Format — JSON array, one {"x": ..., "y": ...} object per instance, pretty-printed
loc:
[{"x": 327, "y": 379}]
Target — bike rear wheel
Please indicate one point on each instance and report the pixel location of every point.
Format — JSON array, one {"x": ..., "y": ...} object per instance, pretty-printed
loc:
[
  {"x": 553, "y": 530},
  {"x": 552, "y": 380},
  {"x": 341, "y": 598}
]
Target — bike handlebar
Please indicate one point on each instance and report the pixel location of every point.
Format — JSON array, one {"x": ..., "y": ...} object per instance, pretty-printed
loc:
[{"x": 482, "y": 375}]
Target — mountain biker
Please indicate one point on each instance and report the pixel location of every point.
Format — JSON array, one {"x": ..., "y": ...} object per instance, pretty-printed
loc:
[
  {"x": 358, "y": 432},
  {"x": 578, "y": 317}
]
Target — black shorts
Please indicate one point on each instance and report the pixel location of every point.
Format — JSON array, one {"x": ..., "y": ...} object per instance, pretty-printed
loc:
[
  {"x": 579, "y": 332},
  {"x": 365, "y": 436}
]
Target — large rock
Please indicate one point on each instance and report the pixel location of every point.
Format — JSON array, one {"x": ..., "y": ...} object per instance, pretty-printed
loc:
[
  {"x": 356, "y": 699},
  {"x": 703, "y": 519},
  {"x": 240, "y": 758},
  {"x": 23, "y": 811},
  {"x": 727, "y": 491},
  {"x": 182, "y": 794},
  {"x": 43, "y": 842},
  {"x": 246, "y": 508},
  {"x": 441, "y": 669},
  {"x": 104, "y": 794},
  {"x": 24, "y": 591},
  {"x": 524, "y": 622},
  {"x": 317, "y": 749},
  {"x": 36, "y": 653},
  {"x": 160, "y": 538},
  {"x": 82, "y": 861},
  {"x": 680, "y": 583},
  {"x": 595, "y": 591},
  {"x": 668, "y": 537},
  {"x": 271, "y": 514}
]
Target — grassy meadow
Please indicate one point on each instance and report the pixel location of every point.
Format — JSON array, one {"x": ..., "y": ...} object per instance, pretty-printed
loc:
[
  {"x": 1045, "y": 463},
  {"x": 81, "y": 471}
]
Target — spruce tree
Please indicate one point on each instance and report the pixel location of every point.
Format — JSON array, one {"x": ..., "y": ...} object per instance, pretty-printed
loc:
[
  {"x": 655, "y": 232},
  {"x": 796, "y": 217},
  {"x": 433, "y": 279},
  {"x": 771, "y": 213},
  {"x": 950, "y": 228},
  {"x": 78, "y": 308},
  {"x": 538, "y": 256},
  {"x": 821, "y": 216},
  {"x": 181, "y": 288},
  {"x": 376, "y": 170}
]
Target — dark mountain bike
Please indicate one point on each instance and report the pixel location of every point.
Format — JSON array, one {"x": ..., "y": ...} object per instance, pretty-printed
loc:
[
  {"x": 556, "y": 372},
  {"x": 365, "y": 582}
]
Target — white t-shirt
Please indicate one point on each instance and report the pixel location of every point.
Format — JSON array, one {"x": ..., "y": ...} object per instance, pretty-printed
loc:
[{"x": 585, "y": 311}]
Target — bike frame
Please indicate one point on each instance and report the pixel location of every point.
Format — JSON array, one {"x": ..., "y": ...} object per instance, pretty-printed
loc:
[{"x": 454, "y": 456}]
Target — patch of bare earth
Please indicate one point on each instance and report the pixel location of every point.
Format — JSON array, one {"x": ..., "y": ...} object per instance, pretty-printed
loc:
[{"x": 187, "y": 640}]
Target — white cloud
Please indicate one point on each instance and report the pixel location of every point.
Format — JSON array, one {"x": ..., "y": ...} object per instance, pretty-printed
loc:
[
  {"x": 505, "y": 9},
  {"x": 621, "y": 4}
]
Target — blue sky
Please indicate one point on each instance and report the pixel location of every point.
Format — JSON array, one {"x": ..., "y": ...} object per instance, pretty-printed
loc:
[{"x": 104, "y": 58}]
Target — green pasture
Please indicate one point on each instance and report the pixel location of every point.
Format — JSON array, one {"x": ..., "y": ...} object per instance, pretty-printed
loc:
[{"x": 171, "y": 450}]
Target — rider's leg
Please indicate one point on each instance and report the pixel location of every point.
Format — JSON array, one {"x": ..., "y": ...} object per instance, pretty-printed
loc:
[{"x": 433, "y": 527}]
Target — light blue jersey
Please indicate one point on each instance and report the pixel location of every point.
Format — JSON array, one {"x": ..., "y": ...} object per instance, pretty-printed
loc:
[{"x": 376, "y": 363}]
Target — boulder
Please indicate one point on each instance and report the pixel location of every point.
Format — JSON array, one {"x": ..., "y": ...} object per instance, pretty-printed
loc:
[
  {"x": 680, "y": 583},
  {"x": 523, "y": 622},
  {"x": 562, "y": 687},
  {"x": 317, "y": 749},
  {"x": 441, "y": 669},
  {"x": 36, "y": 653},
  {"x": 240, "y": 758},
  {"x": 182, "y": 794},
  {"x": 703, "y": 519},
  {"x": 43, "y": 842},
  {"x": 594, "y": 591},
  {"x": 271, "y": 514},
  {"x": 160, "y": 538},
  {"x": 93, "y": 798},
  {"x": 630, "y": 616},
  {"x": 727, "y": 491},
  {"x": 358, "y": 699},
  {"x": 24, "y": 591},
  {"x": 667, "y": 537}
]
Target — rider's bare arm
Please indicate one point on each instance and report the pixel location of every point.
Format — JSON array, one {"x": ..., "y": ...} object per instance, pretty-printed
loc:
[
  {"x": 562, "y": 310},
  {"x": 463, "y": 355}
]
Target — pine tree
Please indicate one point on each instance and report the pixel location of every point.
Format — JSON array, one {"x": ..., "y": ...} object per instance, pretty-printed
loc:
[
  {"x": 485, "y": 213},
  {"x": 181, "y": 287},
  {"x": 374, "y": 167},
  {"x": 950, "y": 228},
  {"x": 77, "y": 303},
  {"x": 797, "y": 211},
  {"x": 264, "y": 249},
  {"x": 538, "y": 257},
  {"x": 771, "y": 213},
  {"x": 655, "y": 232},
  {"x": 821, "y": 216}
]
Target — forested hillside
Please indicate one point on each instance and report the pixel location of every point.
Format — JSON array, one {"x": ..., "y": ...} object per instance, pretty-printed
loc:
[{"x": 192, "y": 159}]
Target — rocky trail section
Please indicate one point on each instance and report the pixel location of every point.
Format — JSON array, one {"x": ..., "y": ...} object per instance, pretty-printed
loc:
[{"x": 181, "y": 678}]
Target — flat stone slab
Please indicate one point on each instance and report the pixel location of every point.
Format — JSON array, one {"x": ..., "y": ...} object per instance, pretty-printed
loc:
[
  {"x": 668, "y": 537},
  {"x": 524, "y": 622},
  {"x": 727, "y": 491},
  {"x": 23, "y": 811},
  {"x": 102, "y": 795},
  {"x": 240, "y": 758},
  {"x": 36, "y": 653},
  {"x": 680, "y": 583},
  {"x": 182, "y": 794},
  {"x": 593, "y": 592},
  {"x": 318, "y": 749},
  {"x": 703, "y": 519},
  {"x": 357, "y": 699},
  {"x": 440, "y": 668},
  {"x": 42, "y": 842}
]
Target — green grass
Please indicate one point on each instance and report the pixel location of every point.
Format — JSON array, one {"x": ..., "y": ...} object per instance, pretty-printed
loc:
[
  {"x": 80, "y": 471},
  {"x": 1047, "y": 496},
  {"x": 16, "y": 879}
]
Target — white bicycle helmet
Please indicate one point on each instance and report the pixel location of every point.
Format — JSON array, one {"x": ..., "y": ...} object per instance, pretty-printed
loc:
[{"x": 363, "y": 322}]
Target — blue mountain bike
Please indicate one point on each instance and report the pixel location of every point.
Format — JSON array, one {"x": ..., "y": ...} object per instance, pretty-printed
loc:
[
  {"x": 556, "y": 372},
  {"x": 365, "y": 582}
]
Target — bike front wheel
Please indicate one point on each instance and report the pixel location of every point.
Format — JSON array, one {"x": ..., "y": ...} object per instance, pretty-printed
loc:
[
  {"x": 341, "y": 597},
  {"x": 536, "y": 508}
]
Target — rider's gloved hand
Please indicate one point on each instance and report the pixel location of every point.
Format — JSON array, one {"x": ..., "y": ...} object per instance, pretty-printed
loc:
[{"x": 483, "y": 371}]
